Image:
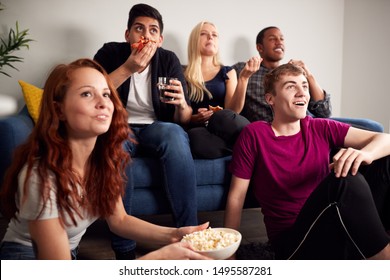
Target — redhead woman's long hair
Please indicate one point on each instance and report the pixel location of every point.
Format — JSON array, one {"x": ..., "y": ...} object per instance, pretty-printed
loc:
[
  {"x": 193, "y": 71},
  {"x": 48, "y": 150}
]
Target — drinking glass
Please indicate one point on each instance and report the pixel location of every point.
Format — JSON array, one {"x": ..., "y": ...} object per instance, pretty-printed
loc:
[{"x": 163, "y": 83}]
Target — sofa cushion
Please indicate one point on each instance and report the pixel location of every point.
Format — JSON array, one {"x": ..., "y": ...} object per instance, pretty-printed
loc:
[
  {"x": 14, "y": 131},
  {"x": 212, "y": 180},
  {"x": 32, "y": 96},
  {"x": 208, "y": 172}
]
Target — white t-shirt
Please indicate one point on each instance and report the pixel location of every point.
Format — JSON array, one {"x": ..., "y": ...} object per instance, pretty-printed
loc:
[
  {"x": 139, "y": 103},
  {"x": 18, "y": 231}
]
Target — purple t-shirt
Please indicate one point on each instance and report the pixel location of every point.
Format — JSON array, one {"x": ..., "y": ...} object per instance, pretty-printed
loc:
[{"x": 285, "y": 170}]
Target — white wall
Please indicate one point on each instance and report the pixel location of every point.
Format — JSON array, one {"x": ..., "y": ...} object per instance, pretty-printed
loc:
[
  {"x": 366, "y": 90},
  {"x": 66, "y": 30}
]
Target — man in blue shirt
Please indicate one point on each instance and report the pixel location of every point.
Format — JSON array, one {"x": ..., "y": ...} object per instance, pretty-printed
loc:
[{"x": 271, "y": 47}]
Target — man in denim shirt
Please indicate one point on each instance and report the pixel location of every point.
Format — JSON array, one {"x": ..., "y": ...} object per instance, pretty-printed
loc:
[{"x": 270, "y": 45}]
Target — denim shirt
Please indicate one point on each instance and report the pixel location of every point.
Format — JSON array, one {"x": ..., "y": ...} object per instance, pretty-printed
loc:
[{"x": 256, "y": 108}]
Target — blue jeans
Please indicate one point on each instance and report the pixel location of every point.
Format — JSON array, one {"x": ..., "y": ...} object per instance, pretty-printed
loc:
[
  {"x": 16, "y": 251},
  {"x": 358, "y": 123},
  {"x": 362, "y": 123},
  {"x": 170, "y": 144}
]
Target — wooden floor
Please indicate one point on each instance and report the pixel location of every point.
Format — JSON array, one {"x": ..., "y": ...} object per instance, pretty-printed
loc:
[{"x": 95, "y": 244}]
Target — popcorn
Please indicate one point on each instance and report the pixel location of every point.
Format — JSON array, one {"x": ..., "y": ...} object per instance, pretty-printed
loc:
[{"x": 210, "y": 239}]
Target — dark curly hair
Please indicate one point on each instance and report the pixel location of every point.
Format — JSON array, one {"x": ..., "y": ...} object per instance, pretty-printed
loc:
[{"x": 143, "y": 10}]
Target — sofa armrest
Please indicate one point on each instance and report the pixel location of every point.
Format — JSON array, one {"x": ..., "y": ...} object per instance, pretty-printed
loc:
[{"x": 14, "y": 130}]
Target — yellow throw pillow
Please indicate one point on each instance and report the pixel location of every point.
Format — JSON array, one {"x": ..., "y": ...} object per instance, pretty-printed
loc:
[{"x": 32, "y": 97}]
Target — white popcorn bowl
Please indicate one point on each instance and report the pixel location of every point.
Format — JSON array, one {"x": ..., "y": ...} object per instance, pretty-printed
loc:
[{"x": 223, "y": 253}]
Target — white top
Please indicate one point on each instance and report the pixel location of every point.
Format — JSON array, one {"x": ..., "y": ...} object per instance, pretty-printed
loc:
[
  {"x": 139, "y": 103},
  {"x": 17, "y": 230}
]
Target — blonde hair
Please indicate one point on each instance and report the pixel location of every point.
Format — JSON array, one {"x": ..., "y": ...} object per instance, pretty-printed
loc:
[{"x": 193, "y": 72}]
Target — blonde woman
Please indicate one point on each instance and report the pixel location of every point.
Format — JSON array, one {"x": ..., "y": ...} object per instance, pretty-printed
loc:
[{"x": 215, "y": 121}]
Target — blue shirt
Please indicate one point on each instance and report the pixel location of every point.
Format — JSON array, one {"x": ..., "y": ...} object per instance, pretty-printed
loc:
[
  {"x": 217, "y": 87},
  {"x": 257, "y": 109}
]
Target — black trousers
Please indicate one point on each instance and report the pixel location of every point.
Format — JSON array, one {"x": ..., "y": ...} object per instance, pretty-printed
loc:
[
  {"x": 344, "y": 218},
  {"x": 217, "y": 138}
]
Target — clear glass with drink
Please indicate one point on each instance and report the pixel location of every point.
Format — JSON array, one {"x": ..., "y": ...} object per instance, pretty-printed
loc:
[{"x": 162, "y": 84}]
